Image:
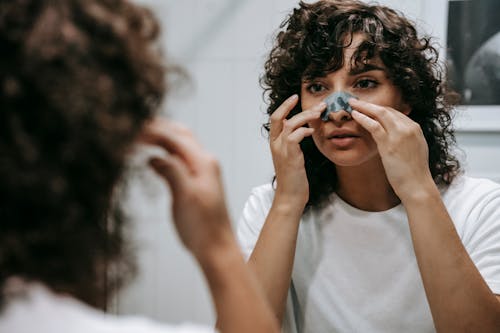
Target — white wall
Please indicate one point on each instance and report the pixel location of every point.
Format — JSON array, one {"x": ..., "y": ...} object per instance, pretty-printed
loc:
[{"x": 222, "y": 44}]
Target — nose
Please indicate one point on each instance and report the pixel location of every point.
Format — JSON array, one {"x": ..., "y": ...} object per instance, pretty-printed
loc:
[
  {"x": 338, "y": 109},
  {"x": 339, "y": 116}
]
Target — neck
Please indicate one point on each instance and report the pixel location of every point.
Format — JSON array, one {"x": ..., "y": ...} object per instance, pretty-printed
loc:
[{"x": 366, "y": 186}]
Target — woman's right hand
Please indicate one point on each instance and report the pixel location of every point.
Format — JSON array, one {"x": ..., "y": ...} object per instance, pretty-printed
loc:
[
  {"x": 288, "y": 159},
  {"x": 273, "y": 254}
]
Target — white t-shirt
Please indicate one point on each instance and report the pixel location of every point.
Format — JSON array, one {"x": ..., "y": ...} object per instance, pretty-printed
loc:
[
  {"x": 356, "y": 271},
  {"x": 37, "y": 309}
]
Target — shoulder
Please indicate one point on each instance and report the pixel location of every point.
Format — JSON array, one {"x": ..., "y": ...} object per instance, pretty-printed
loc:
[
  {"x": 473, "y": 202},
  {"x": 264, "y": 192},
  {"x": 471, "y": 189},
  {"x": 50, "y": 312},
  {"x": 253, "y": 217},
  {"x": 260, "y": 200},
  {"x": 474, "y": 205}
]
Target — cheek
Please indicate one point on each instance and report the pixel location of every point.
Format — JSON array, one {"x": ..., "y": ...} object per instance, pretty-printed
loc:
[
  {"x": 316, "y": 124},
  {"x": 318, "y": 142},
  {"x": 367, "y": 137},
  {"x": 389, "y": 96},
  {"x": 306, "y": 103},
  {"x": 381, "y": 98},
  {"x": 307, "y": 100},
  {"x": 370, "y": 145},
  {"x": 317, "y": 135}
]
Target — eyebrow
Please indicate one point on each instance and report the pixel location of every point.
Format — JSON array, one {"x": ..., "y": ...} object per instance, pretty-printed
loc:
[{"x": 365, "y": 68}]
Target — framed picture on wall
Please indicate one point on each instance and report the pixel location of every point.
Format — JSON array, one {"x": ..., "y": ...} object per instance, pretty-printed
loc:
[{"x": 473, "y": 60}]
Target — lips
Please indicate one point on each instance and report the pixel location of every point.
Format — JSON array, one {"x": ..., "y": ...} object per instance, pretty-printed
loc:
[
  {"x": 342, "y": 134},
  {"x": 342, "y": 139}
]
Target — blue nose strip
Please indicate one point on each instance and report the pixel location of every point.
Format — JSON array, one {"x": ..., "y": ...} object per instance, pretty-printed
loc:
[{"x": 337, "y": 102}]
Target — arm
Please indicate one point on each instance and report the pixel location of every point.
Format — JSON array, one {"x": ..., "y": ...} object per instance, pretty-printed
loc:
[
  {"x": 458, "y": 296},
  {"x": 273, "y": 255},
  {"x": 202, "y": 222}
]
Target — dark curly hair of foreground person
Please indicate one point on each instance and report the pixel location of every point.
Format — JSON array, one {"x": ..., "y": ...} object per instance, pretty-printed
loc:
[
  {"x": 310, "y": 44},
  {"x": 78, "y": 79}
]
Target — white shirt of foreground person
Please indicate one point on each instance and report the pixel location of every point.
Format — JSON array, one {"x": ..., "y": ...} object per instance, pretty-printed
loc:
[
  {"x": 36, "y": 309},
  {"x": 356, "y": 271}
]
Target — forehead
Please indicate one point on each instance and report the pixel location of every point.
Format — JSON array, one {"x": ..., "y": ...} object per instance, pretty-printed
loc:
[
  {"x": 353, "y": 42},
  {"x": 355, "y": 54}
]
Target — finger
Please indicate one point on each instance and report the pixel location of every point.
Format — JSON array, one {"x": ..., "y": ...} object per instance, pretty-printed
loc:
[
  {"x": 276, "y": 119},
  {"x": 299, "y": 134},
  {"x": 172, "y": 170},
  {"x": 384, "y": 115},
  {"x": 174, "y": 138},
  {"x": 299, "y": 120},
  {"x": 371, "y": 125},
  {"x": 160, "y": 131}
]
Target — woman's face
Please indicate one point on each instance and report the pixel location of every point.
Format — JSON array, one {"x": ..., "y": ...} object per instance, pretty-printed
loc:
[{"x": 341, "y": 139}]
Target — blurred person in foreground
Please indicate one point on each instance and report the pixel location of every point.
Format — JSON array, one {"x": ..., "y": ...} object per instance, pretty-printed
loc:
[{"x": 81, "y": 81}]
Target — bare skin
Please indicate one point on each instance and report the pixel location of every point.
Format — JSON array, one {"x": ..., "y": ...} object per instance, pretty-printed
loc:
[
  {"x": 459, "y": 298},
  {"x": 381, "y": 158},
  {"x": 202, "y": 222},
  {"x": 272, "y": 258}
]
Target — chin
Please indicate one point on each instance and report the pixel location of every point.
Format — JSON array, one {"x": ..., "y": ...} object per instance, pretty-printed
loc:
[{"x": 351, "y": 159}]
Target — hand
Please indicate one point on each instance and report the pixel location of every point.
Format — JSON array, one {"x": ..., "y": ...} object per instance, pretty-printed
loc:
[
  {"x": 401, "y": 145},
  {"x": 202, "y": 221},
  {"x": 198, "y": 206},
  {"x": 288, "y": 159}
]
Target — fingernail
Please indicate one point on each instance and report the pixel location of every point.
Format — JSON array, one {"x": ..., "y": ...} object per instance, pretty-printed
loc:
[{"x": 293, "y": 97}]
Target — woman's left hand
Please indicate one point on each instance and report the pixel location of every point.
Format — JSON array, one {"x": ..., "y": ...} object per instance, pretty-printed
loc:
[{"x": 401, "y": 145}]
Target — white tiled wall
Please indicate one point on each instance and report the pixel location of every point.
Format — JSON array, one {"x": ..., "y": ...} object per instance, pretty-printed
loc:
[{"x": 222, "y": 45}]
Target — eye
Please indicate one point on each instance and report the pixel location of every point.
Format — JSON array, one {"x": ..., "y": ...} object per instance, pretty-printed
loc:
[
  {"x": 315, "y": 88},
  {"x": 366, "y": 84}
]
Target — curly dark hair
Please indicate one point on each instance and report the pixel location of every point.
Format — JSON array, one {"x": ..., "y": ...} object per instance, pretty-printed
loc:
[
  {"x": 78, "y": 79},
  {"x": 310, "y": 44}
]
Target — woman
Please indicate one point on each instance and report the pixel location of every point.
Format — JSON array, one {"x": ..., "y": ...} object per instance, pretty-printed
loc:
[
  {"x": 80, "y": 83},
  {"x": 369, "y": 225}
]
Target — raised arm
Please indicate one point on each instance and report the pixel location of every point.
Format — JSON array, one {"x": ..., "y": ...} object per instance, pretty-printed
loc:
[
  {"x": 203, "y": 224},
  {"x": 273, "y": 255},
  {"x": 459, "y": 298}
]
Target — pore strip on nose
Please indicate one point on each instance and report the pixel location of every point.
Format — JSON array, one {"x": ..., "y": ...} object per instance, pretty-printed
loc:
[{"x": 337, "y": 102}]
